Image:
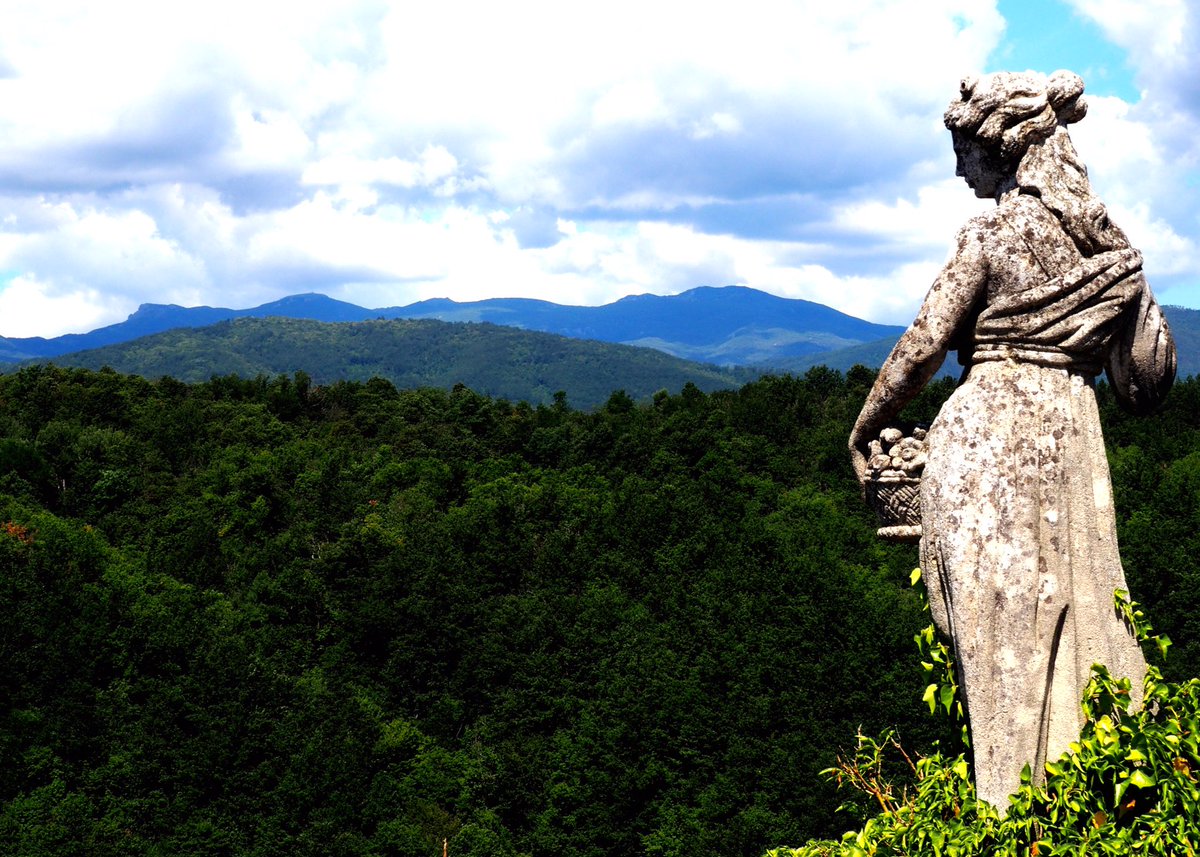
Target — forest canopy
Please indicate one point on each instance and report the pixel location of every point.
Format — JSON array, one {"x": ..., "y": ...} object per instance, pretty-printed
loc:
[{"x": 257, "y": 616}]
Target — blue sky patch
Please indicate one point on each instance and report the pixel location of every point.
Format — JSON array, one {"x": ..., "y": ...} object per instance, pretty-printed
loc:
[{"x": 1046, "y": 35}]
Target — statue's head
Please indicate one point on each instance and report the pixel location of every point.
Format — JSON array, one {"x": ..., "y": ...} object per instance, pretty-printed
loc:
[{"x": 996, "y": 119}]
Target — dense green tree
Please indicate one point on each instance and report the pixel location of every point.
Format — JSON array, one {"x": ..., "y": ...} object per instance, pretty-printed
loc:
[{"x": 257, "y": 616}]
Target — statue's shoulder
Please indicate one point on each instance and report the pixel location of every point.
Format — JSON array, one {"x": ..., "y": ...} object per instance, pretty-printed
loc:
[
  {"x": 1016, "y": 215},
  {"x": 1028, "y": 215},
  {"x": 983, "y": 228}
]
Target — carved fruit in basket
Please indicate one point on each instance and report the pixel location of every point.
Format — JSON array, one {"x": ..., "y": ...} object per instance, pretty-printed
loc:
[{"x": 893, "y": 483}]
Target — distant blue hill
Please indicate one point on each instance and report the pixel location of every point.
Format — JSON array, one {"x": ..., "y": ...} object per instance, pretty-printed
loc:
[
  {"x": 729, "y": 326},
  {"x": 157, "y": 318},
  {"x": 724, "y": 326}
]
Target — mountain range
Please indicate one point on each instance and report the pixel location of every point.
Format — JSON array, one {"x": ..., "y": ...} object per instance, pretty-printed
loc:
[{"x": 725, "y": 327}]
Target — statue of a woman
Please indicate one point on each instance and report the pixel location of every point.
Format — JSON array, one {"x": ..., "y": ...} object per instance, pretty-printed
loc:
[{"x": 1018, "y": 539}]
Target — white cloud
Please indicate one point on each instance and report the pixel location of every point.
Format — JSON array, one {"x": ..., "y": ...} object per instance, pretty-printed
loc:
[
  {"x": 57, "y": 312},
  {"x": 434, "y": 166},
  {"x": 233, "y": 152},
  {"x": 1152, "y": 30},
  {"x": 927, "y": 223},
  {"x": 267, "y": 140},
  {"x": 115, "y": 248}
]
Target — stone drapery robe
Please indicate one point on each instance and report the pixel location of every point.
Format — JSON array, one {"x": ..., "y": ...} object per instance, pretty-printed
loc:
[{"x": 1019, "y": 546}]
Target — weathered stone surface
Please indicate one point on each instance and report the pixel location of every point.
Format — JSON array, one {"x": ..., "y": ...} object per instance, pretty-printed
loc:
[{"x": 1018, "y": 538}]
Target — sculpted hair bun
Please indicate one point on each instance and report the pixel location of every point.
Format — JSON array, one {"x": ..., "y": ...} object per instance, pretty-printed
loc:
[{"x": 1065, "y": 91}]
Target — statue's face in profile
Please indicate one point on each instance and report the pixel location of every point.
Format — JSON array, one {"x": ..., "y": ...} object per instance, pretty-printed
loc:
[{"x": 983, "y": 175}]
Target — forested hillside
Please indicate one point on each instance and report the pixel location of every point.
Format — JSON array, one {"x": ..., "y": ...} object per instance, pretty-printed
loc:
[
  {"x": 494, "y": 360},
  {"x": 264, "y": 617}
]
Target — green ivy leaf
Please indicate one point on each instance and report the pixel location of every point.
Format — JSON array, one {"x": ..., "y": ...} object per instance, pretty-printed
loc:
[
  {"x": 947, "y": 696},
  {"x": 1141, "y": 779},
  {"x": 930, "y": 697},
  {"x": 1164, "y": 643},
  {"x": 1119, "y": 791}
]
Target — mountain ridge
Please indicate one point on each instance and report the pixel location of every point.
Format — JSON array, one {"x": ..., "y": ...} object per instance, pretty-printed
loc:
[
  {"x": 730, "y": 325},
  {"x": 719, "y": 325}
]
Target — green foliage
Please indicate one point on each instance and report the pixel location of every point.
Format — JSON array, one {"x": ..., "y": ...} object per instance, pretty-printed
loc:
[
  {"x": 273, "y": 615},
  {"x": 262, "y": 616},
  {"x": 496, "y": 360},
  {"x": 1127, "y": 786},
  {"x": 938, "y": 660}
]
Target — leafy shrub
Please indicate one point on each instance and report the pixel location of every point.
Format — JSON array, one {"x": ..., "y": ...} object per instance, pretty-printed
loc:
[{"x": 1127, "y": 786}]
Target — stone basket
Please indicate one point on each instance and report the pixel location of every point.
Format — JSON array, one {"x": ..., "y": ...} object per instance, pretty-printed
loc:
[{"x": 896, "y": 501}]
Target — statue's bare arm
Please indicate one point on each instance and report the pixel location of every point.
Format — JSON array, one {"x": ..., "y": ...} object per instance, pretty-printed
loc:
[{"x": 920, "y": 352}]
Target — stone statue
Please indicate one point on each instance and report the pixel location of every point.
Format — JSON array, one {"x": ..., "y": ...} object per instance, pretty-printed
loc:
[{"x": 1018, "y": 539}]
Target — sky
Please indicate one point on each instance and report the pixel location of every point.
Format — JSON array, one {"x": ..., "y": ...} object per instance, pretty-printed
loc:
[{"x": 232, "y": 153}]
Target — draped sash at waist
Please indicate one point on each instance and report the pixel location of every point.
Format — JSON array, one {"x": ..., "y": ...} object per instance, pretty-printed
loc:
[
  {"x": 1039, "y": 356},
  {"x": 1066, "y": 321}
]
